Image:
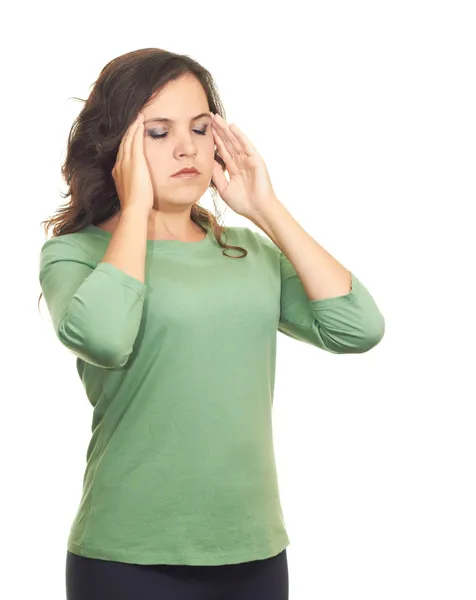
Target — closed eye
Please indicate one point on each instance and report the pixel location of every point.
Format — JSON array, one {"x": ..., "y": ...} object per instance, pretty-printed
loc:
[{"x": 156, "y": 136}]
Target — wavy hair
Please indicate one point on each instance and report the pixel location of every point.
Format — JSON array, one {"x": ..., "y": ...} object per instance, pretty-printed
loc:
[{"x": 124, "y": 85}]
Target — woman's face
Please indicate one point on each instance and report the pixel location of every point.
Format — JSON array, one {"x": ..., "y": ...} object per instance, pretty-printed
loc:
[{"x": 183, "y": 142}]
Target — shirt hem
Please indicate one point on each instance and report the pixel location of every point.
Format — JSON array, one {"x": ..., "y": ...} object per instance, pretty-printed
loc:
[{"x": 148, "y": 558}]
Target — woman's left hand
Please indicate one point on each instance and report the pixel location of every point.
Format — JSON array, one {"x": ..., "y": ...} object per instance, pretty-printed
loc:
[{"x": 249, "y": 191}]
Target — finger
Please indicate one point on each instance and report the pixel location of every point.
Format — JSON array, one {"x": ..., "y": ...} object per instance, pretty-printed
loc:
[
  {"x": 222, "y": 150},
  {"x": 233, "y": 143},
  {"x": 230, "y": 163},
  {"x": 137, "y": 147},
  {"x": 120, "y": 152},
  {"x": 246, "y": 145},
  {"x": 232, "y": 148},
  {"x": 130, "y": 136}
]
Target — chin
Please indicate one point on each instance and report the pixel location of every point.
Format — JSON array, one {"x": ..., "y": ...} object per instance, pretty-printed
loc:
[{"x": 184, "y": 198}]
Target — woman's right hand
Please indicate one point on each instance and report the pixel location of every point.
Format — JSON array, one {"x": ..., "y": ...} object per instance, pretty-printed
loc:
[{"x": 131, "y": 173}]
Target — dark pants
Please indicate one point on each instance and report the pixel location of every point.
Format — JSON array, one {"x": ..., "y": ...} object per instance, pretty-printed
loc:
[{"x": 97, "y": 579}]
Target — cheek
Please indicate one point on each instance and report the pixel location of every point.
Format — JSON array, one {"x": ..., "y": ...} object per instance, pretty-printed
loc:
[
  {"x": 151, "y": 147},
  {"x": 156, "y": 154},
  {"x": 149, "y": 150}
]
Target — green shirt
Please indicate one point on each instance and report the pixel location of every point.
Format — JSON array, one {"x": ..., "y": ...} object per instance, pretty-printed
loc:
[{"x": 180, "y": 372}]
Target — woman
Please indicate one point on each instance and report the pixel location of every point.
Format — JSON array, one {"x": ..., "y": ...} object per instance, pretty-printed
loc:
[{"x": 174, "y": 333}]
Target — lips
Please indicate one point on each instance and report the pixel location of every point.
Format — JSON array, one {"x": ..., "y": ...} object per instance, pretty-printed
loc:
[{"x": 186, "y": 170}]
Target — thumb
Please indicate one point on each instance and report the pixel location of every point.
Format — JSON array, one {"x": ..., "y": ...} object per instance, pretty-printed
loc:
[{"x": 219, "y": 178}]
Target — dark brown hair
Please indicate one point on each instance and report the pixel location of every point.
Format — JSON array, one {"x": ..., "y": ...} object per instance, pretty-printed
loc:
[{"x": 124, "y": 85}]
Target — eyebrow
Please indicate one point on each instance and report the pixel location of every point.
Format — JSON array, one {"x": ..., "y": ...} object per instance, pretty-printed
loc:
[{"x": 166, "y": 120}]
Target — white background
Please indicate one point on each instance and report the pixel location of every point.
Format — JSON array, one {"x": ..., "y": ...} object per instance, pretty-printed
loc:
[{"x": 365, "y": 115}]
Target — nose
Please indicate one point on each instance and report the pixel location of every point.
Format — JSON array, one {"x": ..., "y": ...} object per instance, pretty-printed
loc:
[{"x": 186, "y": 146}]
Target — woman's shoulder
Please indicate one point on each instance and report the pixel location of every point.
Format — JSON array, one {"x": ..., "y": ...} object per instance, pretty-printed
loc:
[{"x": 74, "y": 246}]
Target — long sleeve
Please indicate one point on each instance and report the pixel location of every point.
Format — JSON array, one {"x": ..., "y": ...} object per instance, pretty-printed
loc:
[
  {"x": 342, "y": 325},
  {"x": 96, "y": 309}
]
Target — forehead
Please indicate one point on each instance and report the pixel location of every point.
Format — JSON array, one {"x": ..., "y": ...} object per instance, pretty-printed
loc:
[{"x": 179, "y": 100}]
